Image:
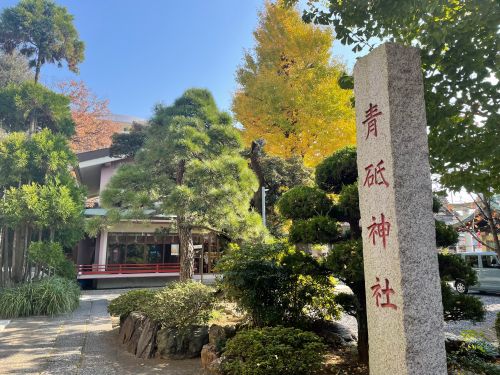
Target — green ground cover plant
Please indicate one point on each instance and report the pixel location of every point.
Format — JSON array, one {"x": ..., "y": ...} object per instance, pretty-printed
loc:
[
  {"x": 475, "y": 356},
  {"x": 49, "y": 296},
  {"x": 276, "y": 350}
]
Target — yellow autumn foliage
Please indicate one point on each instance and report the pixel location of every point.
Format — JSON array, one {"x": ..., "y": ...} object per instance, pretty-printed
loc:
[{"x": 288, "y": 91}]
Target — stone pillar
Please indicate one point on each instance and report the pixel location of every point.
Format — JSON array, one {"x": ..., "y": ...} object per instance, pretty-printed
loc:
[
  {"x": 103, "y": 247},
  {"x": 404, "y": 307}
]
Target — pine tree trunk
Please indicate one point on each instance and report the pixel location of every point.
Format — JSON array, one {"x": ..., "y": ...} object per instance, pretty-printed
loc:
[
  {"x": 2, "y": 235},
  {"x": 186, "y": 249},
  {"x": 361, "y": 318}
]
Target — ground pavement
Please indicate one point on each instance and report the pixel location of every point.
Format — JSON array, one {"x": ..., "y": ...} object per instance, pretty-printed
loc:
[{"x": 82, "y": 343}]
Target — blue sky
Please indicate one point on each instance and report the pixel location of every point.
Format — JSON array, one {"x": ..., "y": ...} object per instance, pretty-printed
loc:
[{"x": 141, "y": 52}]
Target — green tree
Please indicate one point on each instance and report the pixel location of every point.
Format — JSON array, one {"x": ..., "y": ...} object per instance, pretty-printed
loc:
[
  {"x": 338, "y": 174},
  {"x": 128, "y": 144},
  {"x": 43, "y": 32},
  {"x": 40, "y": 199},
  {"x": 31, "y": 106},
  {"x": 190, "y": 165},
  {"x": 459, "y": 41},
  {"x": 14, "y": 69}
]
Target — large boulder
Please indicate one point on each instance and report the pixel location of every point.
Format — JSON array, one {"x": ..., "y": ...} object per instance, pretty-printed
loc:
[
  {"x": 218, "y": 335},
  {"x": 138, "y": 334},
  {"x": 180, "y": 344}
]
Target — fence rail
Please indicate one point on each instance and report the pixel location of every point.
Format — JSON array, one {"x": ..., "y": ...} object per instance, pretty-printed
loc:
[{"x": 112, "y": 269}]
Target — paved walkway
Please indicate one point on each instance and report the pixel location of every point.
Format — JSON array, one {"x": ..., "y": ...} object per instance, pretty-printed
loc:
[{"x": 82, "y": 343}]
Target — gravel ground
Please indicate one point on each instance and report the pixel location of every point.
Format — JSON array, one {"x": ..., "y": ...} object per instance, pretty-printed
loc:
[{"x": 487, "y": 327}]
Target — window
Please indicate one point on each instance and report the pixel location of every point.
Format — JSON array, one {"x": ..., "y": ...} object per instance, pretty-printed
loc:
[
  {"x": 489, "y": 261},
  {"x": 472, "y": 260}
]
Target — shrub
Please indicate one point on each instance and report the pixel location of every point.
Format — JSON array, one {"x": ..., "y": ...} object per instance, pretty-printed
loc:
[
  {"x": 277, "y": 351},
  {"x": 337, "y": 170},
  {"x": 316, "y": 230},
  {"x": 475, "y": 356},
  {"x": 278, "y": 285},
  {"x": 50, "y": 296},
  {"x": 304, "y": 202},
  {"x": 181, "y": 304},
  {"x": 134, "y": 300},
  {"x": 51, "y": 255},
  {"x": 460, "y": 306}
]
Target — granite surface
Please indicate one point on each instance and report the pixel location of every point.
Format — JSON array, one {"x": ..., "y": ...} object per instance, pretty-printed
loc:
[{"x": 400, "y": 258}]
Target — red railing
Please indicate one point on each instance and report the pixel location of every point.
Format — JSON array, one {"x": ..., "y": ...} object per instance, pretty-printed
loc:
[{"x": 110, "y": 269}]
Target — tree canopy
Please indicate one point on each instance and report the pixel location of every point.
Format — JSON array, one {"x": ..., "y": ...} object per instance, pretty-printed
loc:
[
  {"x": 31, "y": 106},
  {"x": 459, "y": 42},
  {"x": 288, "y": 90},
  {"x": 190, "y": 166},
  {"x": 43, "y": 32}
]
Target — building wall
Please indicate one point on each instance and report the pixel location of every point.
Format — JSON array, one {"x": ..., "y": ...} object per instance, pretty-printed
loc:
[{"x": 107, "y": 171}]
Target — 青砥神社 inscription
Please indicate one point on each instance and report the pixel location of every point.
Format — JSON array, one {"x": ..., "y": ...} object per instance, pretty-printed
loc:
[{"x": 404, "y": 306}]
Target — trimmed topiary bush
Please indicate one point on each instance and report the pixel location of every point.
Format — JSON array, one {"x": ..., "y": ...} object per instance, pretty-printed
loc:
[
  {"x": 50, "y": 296},
  {"x": 277, "y": 351},
  {"x": 304, "y": 202},
  {"x": 134, "y": 300}
]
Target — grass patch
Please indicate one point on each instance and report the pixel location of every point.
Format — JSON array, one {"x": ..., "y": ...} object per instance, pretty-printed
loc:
[{"x": 50, "y": 296}]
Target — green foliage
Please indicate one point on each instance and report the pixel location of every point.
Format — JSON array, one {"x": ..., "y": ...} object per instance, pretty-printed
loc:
[
  {"x": 277, "y": 351},
  {"x": 345, "y": 260},
  {"x": 278, "y": 285},
  {"x": 41, "y": 31},
  {"x": 316, "y": 230},
  {"x": 337, "y": 170},
  {"x": 461, "y": 306},
  {"x": 304, "y": 202},
  {"x": 181, "y": 304},
  {"x": 134, "y": 300},
  {"x": 446, "y": 235},
  {"x": 474, "y": 355},
  {"x": 50, "y": 296},
  {"x": 459, "y": 42},
  {"x": 22, "y": 104},
  {"x": 348, "y": 208},
  {"x": 51, "y": 255},
  {"x": 128, "y": 144},
  {"x": 190, "y": 163},
  {"x": 453, "y": 267},
  {"x": 43, "y": 157}
]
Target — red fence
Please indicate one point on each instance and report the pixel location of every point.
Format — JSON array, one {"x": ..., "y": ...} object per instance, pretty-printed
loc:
[{"x": 111, "y": 269}]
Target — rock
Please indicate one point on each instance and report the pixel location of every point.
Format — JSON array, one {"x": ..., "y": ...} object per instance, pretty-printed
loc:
[
  {"x": 208, "y": 355},
  {"x": 146, "y": 346},
  {"x": 215, "y": 367},
  {"x": 137, "y": 332},
  {"x": 335, "y": 334},
  {"x": 176, "y": 344},
  {"x": 218, "y": 335}
]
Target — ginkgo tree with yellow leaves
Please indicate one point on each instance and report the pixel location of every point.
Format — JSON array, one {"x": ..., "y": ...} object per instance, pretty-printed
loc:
[{"x": 288, "y": 90}]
